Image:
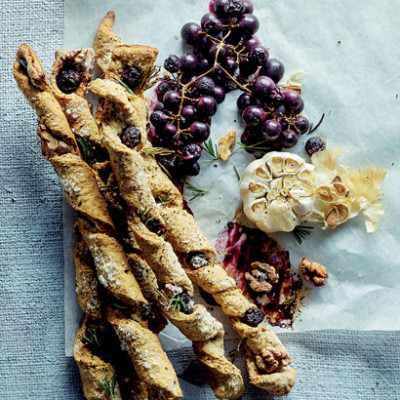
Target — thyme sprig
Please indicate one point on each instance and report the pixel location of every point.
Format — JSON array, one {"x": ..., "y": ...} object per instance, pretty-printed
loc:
[
  {"x": 212, "y": 149},
  {"x": 198, "y": 191},
  {"x": 123, "y": 84},
  {"x": 301, "y": 232},
  {"x": 108, "y": 387},
  {"x": 86, "y": 148},
  {"x": 312, "y": 128}
]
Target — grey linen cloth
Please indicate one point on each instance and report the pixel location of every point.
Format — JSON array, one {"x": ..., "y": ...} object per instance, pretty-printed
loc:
[{"x": 331, "y": 364}]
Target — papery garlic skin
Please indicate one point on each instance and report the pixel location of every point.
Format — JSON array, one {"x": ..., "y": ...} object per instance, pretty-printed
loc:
[{"x": 281, "y": 190}]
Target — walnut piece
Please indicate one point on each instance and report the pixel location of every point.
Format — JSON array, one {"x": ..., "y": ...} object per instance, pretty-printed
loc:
[
  {"x": 226, "y": 144},
  {"x": 261, "y": 277},
  {"x": 270, "y": 360},
  {"x": 313, "y": 272}
]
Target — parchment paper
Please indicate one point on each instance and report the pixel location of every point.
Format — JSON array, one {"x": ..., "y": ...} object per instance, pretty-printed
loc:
[{"x": 349, "y": 52}]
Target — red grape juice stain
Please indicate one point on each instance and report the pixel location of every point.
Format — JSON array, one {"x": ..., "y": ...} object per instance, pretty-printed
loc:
[{"x": 238, "y": 247}]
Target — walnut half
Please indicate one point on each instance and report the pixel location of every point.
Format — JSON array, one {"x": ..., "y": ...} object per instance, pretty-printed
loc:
[
  {"x": 269, "y": 360},
  {"x": 313, "y": 272},
  {"x": 261, "y": 277}
]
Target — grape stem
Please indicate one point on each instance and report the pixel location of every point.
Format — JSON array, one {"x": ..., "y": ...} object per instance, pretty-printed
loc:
[{"x": 186, "y": 86}]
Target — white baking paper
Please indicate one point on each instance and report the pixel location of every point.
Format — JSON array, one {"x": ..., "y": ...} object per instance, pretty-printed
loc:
[{"x": 349, "y": 51}]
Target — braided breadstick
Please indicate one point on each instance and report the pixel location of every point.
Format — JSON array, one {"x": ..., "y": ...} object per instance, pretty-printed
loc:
[{"x": 79, "y": 183}]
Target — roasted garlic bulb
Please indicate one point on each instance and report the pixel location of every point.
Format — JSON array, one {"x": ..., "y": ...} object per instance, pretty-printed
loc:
[
  {"x": 281, "y": 190},
  {"x": 278, "y": 191}
]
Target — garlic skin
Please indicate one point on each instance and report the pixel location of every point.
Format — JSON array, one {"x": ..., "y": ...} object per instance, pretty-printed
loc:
[{"x": 281, "y": 190}]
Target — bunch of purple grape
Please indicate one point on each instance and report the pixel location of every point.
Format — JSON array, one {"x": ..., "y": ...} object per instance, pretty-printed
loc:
[{"x": 225, "y": 56}]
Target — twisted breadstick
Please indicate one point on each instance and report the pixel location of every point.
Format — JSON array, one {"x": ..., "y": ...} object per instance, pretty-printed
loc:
[
  {"x": 194, "y": 251},
  {"x": 80, "y": 185},
  {"x": 120, "y": 110}
]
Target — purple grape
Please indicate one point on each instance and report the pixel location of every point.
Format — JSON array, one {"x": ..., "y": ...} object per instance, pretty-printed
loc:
[
  {"x": 191, "y": 152},
  {"x": 247, "y": 67},
  {"x": 207, "y": 106},
  {"x": 200, "y": 131},
  {"x": 302, "y": 124},
  {"x": 292, "y": 100},
  {"x": 68, "y": 80},
  {"x": 205, "y": 85},
  {"x": 253, "y": 317},
  {"x": 253, "y": 116},
  {"x": 225, "y": 8},
  {"x": 263, "y": 87},
  {"x": 219, "y": 94},
  {"x": 170, "y": 131},
  {"x": 289, "y": 138},
  {"x": 248, "y": 7},
  {"x": 163, "y": 88},
  {"x": 191, "y": 33},
  {"x": 271, "y": 130},
  {"x": 159, "y": 106},
  {"x": 204, "y": 64},
  {"x": 158, "y": 141},
  {"x": 230, "y": 64},
  {"x": 131, "y": 76},
  {"x": 283, "y": 121},
  {"x": 274, "y": 69},
  {"x": 300, "y": 107},
  {"x": 211, "y": 24},
  {"x": 277, "y": 96},
  {"x": 172, "y": 100},
  {"x": 280, "y": 110},
  {"x": 251, "y": 42},
  {"x": 189, "y": 112},
  {"x": 130, "y": 136},
  {"x": 189, "y": 63},
  {"x": 158, "y": 119},
  {"x": 248, "y": 24},
  {"x": 172, "y": 63},
  {"x": 258, "y": 55},
  {"x": 243, "y": 101},
  {"x": 314, "y": 144},
  {"x": 223, "y": 52},
  {"x": 193, "y": 169}
]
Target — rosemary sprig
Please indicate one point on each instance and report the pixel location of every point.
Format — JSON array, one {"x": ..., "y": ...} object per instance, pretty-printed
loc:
[
  {"x": 301, "y": 231},
  {"x": 312, "y": 128},
  {"x": 211, "y": 149},
  {"x": 159, "y": 151},
  {"x": 86, "y": 148},
  {"x": 198, "y": 191},
  {"x": 152, "y": 78},
  {"x": 259, "y": 147},
  {"x": 92, "y": 336},
  {"x": 178, "y": 304},
  {"x": 123, "y": 84},
  {"x": 109, "y": 388},
  {"x": 164, "y": 199},
  {"x": 236, "y": 172},
  {"x": 234, "y": 353}
]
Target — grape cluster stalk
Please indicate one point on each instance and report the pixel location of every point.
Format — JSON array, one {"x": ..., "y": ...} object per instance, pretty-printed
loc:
[{"x": 226, "y": 55}]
